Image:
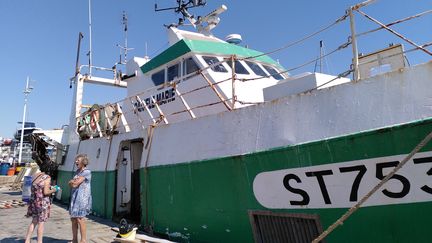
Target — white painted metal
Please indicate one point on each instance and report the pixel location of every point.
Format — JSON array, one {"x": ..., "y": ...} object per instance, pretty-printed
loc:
[
  {"x": 356, "y": 72},
  {"x": 382, "y": 61},
  {"x": 105, "y": 81},
  {"x": 124, "y": 171},
  {"x": 383, "y": 100},
  {"x": 296, "y": 85}
]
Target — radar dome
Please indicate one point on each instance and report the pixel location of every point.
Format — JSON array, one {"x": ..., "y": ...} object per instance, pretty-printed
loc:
[{"x": 233, "y": 39}]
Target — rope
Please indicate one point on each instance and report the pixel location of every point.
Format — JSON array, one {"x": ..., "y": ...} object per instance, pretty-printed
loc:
[
  {"x": 150, "y": 131},
  {"x": 369, "y": 194},
  {"x": 394, "y": 32},
  {"x": 344, "y": 45},
  {"x": 396, "y": 22},
  {"x": 300, "y": 40}
]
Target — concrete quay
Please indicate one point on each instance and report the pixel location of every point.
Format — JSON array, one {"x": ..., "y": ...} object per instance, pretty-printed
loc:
[{"x": 13, "y": 223}]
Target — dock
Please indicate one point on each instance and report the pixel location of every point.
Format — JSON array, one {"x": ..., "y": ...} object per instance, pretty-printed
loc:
[{"x": 13, "y": 223}]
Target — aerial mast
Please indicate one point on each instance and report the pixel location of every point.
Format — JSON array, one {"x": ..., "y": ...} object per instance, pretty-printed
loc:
[
  {"x": 90, "y": 38},
  {"x": 124, "y": 48},
  {"x": 27, "y": 91}
]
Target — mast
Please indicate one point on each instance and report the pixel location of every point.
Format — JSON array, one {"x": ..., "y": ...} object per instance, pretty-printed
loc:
[
  {"x": 27, "y": 91},
  {"x": 90, "y": 37},
  {"x": 124, "y": 48},
  {"x": 356, "y": 71}
]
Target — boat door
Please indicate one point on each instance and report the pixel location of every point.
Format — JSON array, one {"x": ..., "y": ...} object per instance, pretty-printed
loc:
[{"x": 128, "y": 189}]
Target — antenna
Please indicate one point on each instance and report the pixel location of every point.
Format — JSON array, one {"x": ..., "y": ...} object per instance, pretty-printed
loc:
[
  {"x": 203, "y": 24},
  {"x": 183, "y": 7},
  {"x": 320, "y": 59},
  {"x": 124, "y": 48},
  {"x": 90, "y": 37}
]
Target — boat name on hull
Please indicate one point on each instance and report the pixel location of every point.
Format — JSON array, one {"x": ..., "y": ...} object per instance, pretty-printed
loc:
[{"x": 161, "y": 98}]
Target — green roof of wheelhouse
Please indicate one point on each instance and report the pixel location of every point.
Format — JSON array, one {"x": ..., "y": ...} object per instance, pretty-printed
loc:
[{"x": 202, "y": 47}]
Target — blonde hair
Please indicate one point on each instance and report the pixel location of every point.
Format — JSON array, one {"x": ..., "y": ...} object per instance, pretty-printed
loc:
[{"x": 83, "y": 158}]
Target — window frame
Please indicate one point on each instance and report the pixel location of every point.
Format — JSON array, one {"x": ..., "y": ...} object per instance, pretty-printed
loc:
[
  {"x": 185, "y": 66},
  {"x": 257, "y": 65},
  {"x": 213, "y": 68},
  {"x": 273, "y": 74},
  {"x": 158, "y": 72},
  {"x": 179, "y": 74},
  {"x": 228, "y": 62}
]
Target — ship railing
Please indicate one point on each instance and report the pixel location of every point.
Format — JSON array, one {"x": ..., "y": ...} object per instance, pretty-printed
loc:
[
  {"x": 352, "y": 39},
  {"x": 88, "y": 122},
  {"x": 230, "y": 102}
]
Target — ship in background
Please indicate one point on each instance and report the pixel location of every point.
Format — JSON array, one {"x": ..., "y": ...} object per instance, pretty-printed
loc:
[{"x": 216, "y": 142}]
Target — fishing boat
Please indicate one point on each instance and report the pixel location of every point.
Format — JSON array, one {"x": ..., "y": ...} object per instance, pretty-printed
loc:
[
  {"x": 217, "y": 142},
  {"x": 29, "y": 128}
]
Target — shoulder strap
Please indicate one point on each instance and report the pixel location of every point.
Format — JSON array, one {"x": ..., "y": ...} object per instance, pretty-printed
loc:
[{"x": 36, "y": 178}]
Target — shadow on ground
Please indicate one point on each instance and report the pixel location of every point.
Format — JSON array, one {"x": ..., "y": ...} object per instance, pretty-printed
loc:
[
  {"x": 89, "y": 217},
  {"x": 12, "y": 193},
  {"x": 45, "y": 239}
]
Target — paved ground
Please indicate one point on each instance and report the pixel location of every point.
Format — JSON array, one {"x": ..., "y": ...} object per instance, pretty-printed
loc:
[{"x": 13, "y": 224}]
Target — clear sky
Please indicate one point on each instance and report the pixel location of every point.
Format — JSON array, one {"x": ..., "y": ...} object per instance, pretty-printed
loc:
[{"x": 39, "y": 40}]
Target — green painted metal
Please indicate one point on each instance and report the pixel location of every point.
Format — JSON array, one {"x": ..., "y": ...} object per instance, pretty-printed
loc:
[
  {"x": 208, "y": 201},
  {"x": 203, "y": 47},
  {"x": 103, "y": 191}
]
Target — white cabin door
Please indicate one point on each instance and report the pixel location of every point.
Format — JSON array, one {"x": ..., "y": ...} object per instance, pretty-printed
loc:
[
  {"x": 124, "y": 170},
  {"x": 128, "y": 189}
]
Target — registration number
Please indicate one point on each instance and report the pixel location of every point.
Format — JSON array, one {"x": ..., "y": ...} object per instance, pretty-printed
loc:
[{"x": 341, "y": 185}]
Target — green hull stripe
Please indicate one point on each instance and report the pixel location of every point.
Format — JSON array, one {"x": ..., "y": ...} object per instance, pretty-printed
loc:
[
  {"x": 211, "y": 199},
  {"x": 203, "y": 47},
  {"x": 208, "y": 201}
]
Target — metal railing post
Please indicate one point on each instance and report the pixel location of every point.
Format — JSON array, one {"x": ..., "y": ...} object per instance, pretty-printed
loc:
[{"x": 356, "y": 71}]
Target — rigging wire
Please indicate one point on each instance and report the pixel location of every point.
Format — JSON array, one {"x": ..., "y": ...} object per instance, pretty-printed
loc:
[
  {"x": 342, "y": 18},
  {"x": 396, "y": 22},
  {"x": 394, "y": 32},
  {"x": 344, "y": 45}
]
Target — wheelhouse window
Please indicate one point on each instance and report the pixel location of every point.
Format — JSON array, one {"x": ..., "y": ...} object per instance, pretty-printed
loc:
[
  {"x": 273, "y": 72},
  {"x": 217, "y": 68},
  {"x": 256, "y": 68},
  {"x": 189, "y": 66},
  {"x": 159, "y": 77},
  {"x": 173, "y": 71},
  {"x": 239, "y": 68}
]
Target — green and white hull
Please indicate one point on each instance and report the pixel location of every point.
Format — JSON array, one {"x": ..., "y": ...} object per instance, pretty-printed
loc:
[
  {"x": 206, "y": 177},
  {"x": 210, "y": 200},
  {"x": 204, "y": 151}
]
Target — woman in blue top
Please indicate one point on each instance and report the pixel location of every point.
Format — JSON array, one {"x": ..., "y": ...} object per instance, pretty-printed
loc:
[{"x": 81, "y": 201}]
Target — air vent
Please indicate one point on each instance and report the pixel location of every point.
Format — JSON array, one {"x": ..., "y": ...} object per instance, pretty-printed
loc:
[{"x": 269, "y": 227}]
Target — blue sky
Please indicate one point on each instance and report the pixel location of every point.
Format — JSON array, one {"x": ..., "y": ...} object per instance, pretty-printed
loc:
[{"x": 39, "y": 39}]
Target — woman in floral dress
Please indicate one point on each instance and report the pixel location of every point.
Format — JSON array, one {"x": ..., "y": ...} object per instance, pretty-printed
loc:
[
  {"x": 81, "y": 201},
  {"x": 39, "y": 205}
]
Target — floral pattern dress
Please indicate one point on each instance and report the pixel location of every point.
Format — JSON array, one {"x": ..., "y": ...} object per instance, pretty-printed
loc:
[
  {"x": 81, "y": 200},
  {"x": 39, "y": 204}
]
